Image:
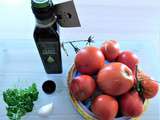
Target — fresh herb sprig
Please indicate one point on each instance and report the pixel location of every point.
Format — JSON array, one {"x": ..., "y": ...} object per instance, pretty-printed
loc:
[{"x": 20, "y": 101}]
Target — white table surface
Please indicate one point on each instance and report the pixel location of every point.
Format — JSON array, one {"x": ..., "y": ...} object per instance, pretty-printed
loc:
[{"x": 135, "y": 24}]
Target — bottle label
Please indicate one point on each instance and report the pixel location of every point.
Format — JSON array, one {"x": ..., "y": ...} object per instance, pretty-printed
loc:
[
  {"x": 49, "y": 51},
  {"x": 51, "y": 56}
]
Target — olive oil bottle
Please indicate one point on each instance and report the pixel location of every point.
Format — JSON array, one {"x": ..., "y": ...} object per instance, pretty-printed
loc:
[{"x": 46, "y": 35}]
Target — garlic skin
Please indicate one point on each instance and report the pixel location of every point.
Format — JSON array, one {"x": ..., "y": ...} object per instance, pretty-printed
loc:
[{"x": 45, "y": 110}]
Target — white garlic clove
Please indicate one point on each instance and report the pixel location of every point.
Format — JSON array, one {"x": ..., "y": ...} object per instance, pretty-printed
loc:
[{"x": 45, "y": 110}]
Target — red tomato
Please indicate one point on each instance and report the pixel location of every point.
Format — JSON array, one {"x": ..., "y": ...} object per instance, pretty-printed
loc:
[
  {"x": 115, "y": 79},
  {"x": 105, "y": 107},
  {"x": 89, "y": 60},
  {"x": 149, "y": 86},
  {"x": 82, "y": 87},
  {"x": 110, "y": 50},
  {"x": 130, "y": 59},
  {"x": 131, "y": 104}
]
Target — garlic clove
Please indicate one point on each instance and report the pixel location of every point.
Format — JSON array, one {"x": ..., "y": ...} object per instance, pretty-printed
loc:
[{"x": 45, "y": 110}]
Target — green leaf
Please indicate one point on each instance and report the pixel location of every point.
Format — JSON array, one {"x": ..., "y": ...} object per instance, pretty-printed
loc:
[{"x": 20, "y": 101}]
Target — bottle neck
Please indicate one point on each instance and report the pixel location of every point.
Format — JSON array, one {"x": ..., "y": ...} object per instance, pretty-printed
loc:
[{"x": 46, "y": 23}]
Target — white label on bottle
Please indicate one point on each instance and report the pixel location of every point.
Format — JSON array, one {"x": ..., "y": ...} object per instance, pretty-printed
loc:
[{"x": 48, "y": 48}]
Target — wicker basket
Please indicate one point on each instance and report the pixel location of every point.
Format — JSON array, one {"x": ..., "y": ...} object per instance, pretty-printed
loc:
[{"x": 87, "y": 114}]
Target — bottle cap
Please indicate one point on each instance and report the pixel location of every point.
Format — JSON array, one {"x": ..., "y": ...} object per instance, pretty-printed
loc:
[{"x": 40, "y": 3}]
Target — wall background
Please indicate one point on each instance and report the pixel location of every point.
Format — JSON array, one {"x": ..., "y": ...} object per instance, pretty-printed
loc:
[{"x": 105, "y": 19}]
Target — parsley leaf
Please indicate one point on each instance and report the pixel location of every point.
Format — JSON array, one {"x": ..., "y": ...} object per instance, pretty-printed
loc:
[{"x": 20, "y": 101}]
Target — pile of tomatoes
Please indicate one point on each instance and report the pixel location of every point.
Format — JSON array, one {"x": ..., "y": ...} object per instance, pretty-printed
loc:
[{"x": 119, "y": 89}]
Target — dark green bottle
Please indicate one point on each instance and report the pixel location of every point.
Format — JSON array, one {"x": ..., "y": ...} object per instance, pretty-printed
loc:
[{"x": 46, "y": 36}]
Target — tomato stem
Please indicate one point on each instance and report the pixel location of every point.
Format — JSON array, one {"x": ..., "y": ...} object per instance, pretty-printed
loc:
[
  {"x": 65, "y": 50},
  {"x": 76, "y": 49},
  {"x": 89, "y": 40},
  {"x": 139, "y": 85}
]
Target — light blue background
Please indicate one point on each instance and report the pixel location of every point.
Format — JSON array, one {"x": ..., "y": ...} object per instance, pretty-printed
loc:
[{"x": 135, "y": 24}]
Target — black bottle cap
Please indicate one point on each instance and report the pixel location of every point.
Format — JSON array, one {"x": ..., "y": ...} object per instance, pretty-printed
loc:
[
  {"x": 40, "y": 3},
  {"x": 42, "y": 9},
  {"x": 49, "y": 86}
]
